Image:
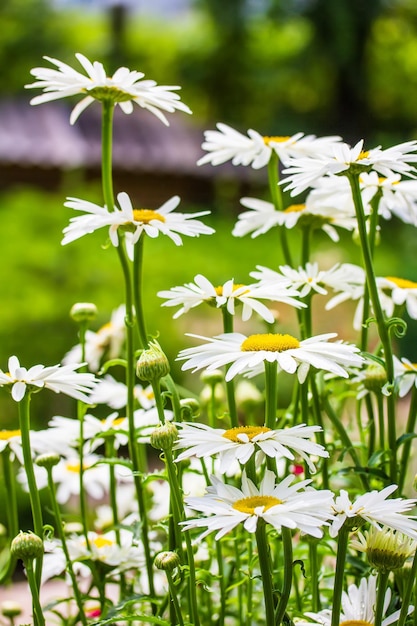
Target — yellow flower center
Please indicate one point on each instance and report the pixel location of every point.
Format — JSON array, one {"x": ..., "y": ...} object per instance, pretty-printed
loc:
[
  {"x": 5, "y": 435},
  {"x": 412, "y": 367},
  {"x": 295, "y": 208},
  {"x": 102, "y": 542},
  {"x": 270, "y": 342},
  {"x": 147, "y": 215},
  {"x": 277, "y": 139},
  {"x": 248, "y": 505},
  {"x": 363, "y": 155},
  {"x": 355, "y": 622},
  {"x": 403, "y": 283},
  {"x": 75, "y": 467},
  {"x": 249, "y": 431},
  {"x": 219, "y": 290},
  {"x": 116, "y": 422}
]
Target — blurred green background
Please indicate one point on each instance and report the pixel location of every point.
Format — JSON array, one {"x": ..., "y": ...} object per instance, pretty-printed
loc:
[{"x": 279, "y": 66}]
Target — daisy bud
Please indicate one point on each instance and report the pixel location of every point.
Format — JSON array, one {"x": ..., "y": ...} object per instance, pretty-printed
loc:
[
  {"x": 152, "y": 364},
  {"x": 214, "y": 377},
  {"x": 167, "y": 561},
  {"x": 190, "y": 407},
  {"x": 48, "y": 459},
  {"x": 26, "y": 546},
  {"x": 164, "y": 437},
  {"x": 375, "y": 378},
  {"x": 10, "y": 609},
  {"x": 386, "y": 549},
  {"x": 83, "y": 311}
]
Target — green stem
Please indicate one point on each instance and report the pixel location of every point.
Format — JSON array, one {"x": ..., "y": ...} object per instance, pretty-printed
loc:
[
  {"x": 35, "y": 503},
  {"x": 230, "y": 384},
  {"x": 277, "y": 200},
  {"x": 174, "y": 599},
  {"x": 106, "y": 154},
  {"x": 373, "y": 227},
  {"x": 61, "y": 536},
  {"x": 320, "y": 434},
  {"x": 10, "y": 489},
  {"x": 38, "y": 618},
  {"x": 137, "y": 290},
  {"x": 412, "y": 575},
  {"x": 380, "y": 319},
  {"x": 271, "y": 394},
  {"x": 409, "y": 429},
  {"x": 288, "y": 571},
  {"x": 265, "y": 564},
  {"x": 381, "y": 421},
  {"x": 314, "y": 575},
  {"x": 156, "y": 388},
  {"x": 342, "y": 545},
  {"x": 380, "y": 597}
]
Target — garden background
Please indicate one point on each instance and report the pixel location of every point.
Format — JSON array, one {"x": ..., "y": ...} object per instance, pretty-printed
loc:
[{"x": 278, "y": 66}]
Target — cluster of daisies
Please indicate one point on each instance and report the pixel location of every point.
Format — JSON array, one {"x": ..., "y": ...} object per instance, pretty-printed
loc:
[{"x": 245, "y": 466}]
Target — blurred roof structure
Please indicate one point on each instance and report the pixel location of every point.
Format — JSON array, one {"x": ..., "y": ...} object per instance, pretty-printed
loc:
[{"x": 37, "y": 145}]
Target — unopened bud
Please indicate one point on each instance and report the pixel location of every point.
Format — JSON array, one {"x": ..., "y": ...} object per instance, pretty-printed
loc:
[
  {"x": 153, "y": 363},
  {"x": 10, "y": 609},
  {"x": 167, "y": 561},
  {"x": 213, "y": 377},
  {"x": 83, "y": 311},
  {"x": 48, "y": 459},
  {"x": 164, "y": 437},
  {"x": 27, "y": 546},
  {"x": 375, "y": 378},
  {"x": 190, "y": 407}
]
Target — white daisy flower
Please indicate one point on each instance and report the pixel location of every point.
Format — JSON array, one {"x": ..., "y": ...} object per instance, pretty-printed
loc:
[
  {"x": 64, "y": 432},
  {"x": 397, "y": 196},
  {"x": 405, "y": 375},
  {"x": 227, "y": 144},
  {"x": 304, "y": 279},
  {"x": 263, "y": 216},
  {"x": 247, "y": 354},
  {"x": 280, "y": 505},
  {"x": 66, "y": 475},
  {"x": 375, "y": 508},
  {"x": 134, "y": 222},
  {"x": 106, "y": 342},
  {"x": 402, "y": 291},
  {"x": 60, "y": 379},
  {"x": 358, "y": 607},
  {"x": 305, "y": 172},
  {"x": 124, "y": 88},
  {"x": 114, "y": 393},
  {"x": 228, "y": 295},
  {"x": 241, "y": 442}
]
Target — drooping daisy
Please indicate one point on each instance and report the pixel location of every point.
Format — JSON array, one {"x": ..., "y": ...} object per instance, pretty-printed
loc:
[
  {"x": 227, "y": 144},
  {"x": 133, "y": 222},
  {"x": 60, "y": 379},
  {"x": 246, "y": 355},
  {"x": 377, "y": 509},
  {"x": 242, "y": 442},
  {"x": 228, "y": 295},
  {"x": 124, "y": 88},
  {"x": 280, "y": 505},
  {"x": 263, "y": 216},
  {"x": 106, "y": 342},
  {"x": 358, "y": 607},
  {"x": 300, "y": 174}
]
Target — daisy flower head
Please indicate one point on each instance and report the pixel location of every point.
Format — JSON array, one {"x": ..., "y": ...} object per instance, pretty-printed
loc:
[
  {"x": 262, "y": 216},
  {"x": 240, "y": 443},
  {"x": 401, "y": 291},
  {"x": 302, "y": 173},
  {"x": 124, "y": 88},
  {"x": 133, "y": 222},
  {"x": 228, "y": 295},
  {"x": 358, "y": 607},
  {"x": 246, "y": 355},
  {"x": 376, "y": 508},
  {"x": 254, "y": 149},
  {"x": 59, "y": 378},
  {"x": 278, "y": 504},
  {"x": 304, "y": 279},
  {"x": 11, "y": 440},
  {"x": 405, "y": 375}
]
